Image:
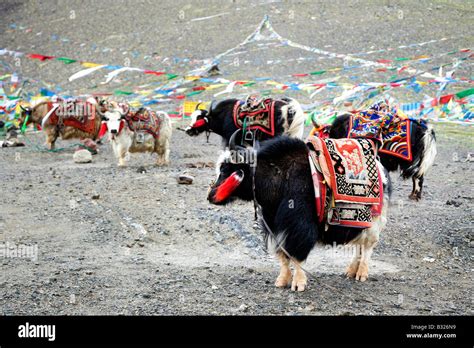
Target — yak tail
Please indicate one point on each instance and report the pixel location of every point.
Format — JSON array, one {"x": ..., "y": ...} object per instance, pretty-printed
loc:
[
  {"x": 166, "y": 119},
  {"x": 425, "y": 160},
  {"x": 429, "y": 151},
  {"x": 296, "y": 128}
]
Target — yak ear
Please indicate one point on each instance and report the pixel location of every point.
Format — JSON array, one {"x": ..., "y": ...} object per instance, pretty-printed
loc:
[
  {"x": 103, "y": 130},
  {"x": 213, "y": 106}
]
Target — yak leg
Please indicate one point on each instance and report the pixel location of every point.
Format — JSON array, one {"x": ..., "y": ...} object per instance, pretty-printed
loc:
[
  {"x": 354, "y": 265},
  {"x": 284, "y": 278},
  {"x": 122, "y": 155},
  {"x": 299, "y": 278},
  {"x": 367, "y": 241},
  {"x": 417, "y": 186},
  {"x": 160, "y": 159},
  {"x": 163, "y": 154},
  {"x": 167, "y": 152},
  {"x": 50, "y": 140},
  {"x": 420, "y": 187}
]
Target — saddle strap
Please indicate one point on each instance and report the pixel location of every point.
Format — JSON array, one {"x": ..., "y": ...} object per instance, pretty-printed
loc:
[{"x": 320, "y": 159}]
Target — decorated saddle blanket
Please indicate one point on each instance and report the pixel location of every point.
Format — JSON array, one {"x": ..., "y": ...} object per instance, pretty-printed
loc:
[
  {"x": 256, "y": 114},
  {"x": 74, "y": 113},
  {"x": 145, "y": 120},
  {"x": 392, "y": 131},
  {"x": 397, "y": 140},
  {"x": 347, "y": 184}
]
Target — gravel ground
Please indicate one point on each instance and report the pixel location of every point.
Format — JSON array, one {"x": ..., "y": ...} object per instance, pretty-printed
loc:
[{"x": 132, "y": 241}]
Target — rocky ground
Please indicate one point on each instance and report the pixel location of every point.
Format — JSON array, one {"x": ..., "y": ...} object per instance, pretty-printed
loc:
[{"x": 132, "y": 241}]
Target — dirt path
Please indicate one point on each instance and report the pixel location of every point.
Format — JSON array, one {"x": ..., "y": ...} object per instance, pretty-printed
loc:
[{"x": 150, "y": 246}]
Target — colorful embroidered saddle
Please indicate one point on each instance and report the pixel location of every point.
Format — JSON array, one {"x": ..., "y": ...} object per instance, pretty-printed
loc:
[
  {"x": 347, "y": 183},
  {"x": 255, "y": 114},
  {"x": 145, "y": 120},
  {"x": 74, "y": 113},
  {"x": 394, "y": 132},
  {"x": 397, "y": 140}
]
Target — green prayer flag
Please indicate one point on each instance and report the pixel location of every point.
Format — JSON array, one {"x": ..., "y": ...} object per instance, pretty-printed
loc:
[
  {"x": 118, "y": 92},
  {"x": 320, "y": 72},
  {"x": 465, "y": 93},
  {"x": 66, "y": 60},
  {"x": 393, "y": 77},
  {"x": 194, "y": 93}
]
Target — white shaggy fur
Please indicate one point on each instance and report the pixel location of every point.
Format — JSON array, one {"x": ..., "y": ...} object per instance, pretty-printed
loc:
[
  {"x": 125, "y": 141},
  {"x": 224, "y": 156},
  {"x": 296, "y": 128},
  {"x": 429, "y": 152}
]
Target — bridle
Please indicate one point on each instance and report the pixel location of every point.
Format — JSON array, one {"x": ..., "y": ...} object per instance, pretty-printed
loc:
[{"x": 253, "y": 168}]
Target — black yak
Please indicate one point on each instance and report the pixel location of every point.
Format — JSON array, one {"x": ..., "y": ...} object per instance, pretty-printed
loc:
[
  {"x": 423, "y": 147},
  {"x": 283, "y": 116},
  {"x": 278, "y": 176}
]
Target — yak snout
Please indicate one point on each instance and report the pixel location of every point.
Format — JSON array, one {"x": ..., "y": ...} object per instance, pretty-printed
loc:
[
  {"x": 191, "y": 131},
  {"x": 222, "y": 191}
]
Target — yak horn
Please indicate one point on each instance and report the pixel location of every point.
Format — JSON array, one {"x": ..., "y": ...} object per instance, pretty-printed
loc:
[{"x": 232, "y": 139}]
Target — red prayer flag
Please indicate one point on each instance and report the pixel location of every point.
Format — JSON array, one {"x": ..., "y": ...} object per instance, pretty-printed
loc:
[
  {"x": 39, "y": 56},
  {"x": 446, "y": 98},
  {"x": 152, "y": 72}
]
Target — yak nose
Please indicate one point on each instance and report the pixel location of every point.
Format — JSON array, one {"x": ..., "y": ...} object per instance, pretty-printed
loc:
[{"x": 113, "y": 131}]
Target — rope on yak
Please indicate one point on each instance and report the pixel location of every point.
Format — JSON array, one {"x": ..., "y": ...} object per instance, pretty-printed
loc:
[{"x": 25, "y": 122}]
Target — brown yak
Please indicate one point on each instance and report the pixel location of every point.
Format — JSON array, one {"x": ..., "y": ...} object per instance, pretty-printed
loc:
[{"x": 53, "y": 130}]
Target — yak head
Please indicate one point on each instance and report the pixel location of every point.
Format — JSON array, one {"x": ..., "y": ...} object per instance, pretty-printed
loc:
[
  {"x": 113, "y": 121},
  {"x": 200, "y": 120},
  {"x": 234, "y": 170}
]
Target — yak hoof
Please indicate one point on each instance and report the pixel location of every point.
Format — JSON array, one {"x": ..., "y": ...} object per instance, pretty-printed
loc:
[
  {"x": 362, "y": 273},
  {"x": 283, "y": 281},
  {"x": 299, "y": 283},
  {"x": 351, "y": 271},
  {"x": 415, "y": 196}
]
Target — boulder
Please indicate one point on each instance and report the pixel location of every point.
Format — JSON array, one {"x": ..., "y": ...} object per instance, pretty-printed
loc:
[{"x": 82, "y": 156}]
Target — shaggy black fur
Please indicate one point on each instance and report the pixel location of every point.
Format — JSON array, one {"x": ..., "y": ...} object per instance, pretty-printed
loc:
[
  {"x": 221, "y": 122},
  {"x": 284, "y": 190}
]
